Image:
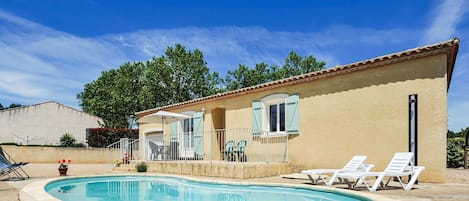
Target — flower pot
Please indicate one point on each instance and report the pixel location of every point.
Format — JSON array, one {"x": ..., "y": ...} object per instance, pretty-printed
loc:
[{"x": 63, "y": 171}]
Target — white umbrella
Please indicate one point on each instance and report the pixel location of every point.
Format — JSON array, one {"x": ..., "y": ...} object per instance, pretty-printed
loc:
[{"x": 163, "y": 117}]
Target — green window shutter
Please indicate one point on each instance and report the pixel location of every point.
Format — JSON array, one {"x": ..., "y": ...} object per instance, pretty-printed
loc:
[
  {"x": 173, "y": 132},
  {"x": 292, "y": 115},
  {"x": 199, "y": 133},
  {"x": 257, "y": 108}
]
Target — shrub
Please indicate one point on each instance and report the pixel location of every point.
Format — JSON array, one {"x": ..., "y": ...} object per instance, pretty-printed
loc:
[
  {"x": 67, "y": 140},
  {"x": 455, "y": 152},
  {"x": 101, "y": 137},
  {"x": 9, "y": 143},
  {"x": 141, "y": 167}
]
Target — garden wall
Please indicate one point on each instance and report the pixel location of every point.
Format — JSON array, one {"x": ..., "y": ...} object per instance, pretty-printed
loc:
[{"x": 53, "y": 154}]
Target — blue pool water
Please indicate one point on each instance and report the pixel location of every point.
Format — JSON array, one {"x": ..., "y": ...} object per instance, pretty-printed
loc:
[{"x": 133, "y": 188}]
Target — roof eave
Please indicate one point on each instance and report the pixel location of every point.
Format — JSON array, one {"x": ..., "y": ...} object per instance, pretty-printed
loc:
[{"x": 450, "y": 48}]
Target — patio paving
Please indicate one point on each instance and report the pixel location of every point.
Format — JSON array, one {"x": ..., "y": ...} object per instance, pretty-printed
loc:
[{"x": 457, "y": 187}]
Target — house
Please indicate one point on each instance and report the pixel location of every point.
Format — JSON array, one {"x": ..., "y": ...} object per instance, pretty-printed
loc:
[
  {"x": 44, "y": 123},
  {"x": 376, "y": 107}
]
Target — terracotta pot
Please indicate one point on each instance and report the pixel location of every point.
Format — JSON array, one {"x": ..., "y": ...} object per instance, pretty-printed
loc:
[{"x": 63, "y": 171}]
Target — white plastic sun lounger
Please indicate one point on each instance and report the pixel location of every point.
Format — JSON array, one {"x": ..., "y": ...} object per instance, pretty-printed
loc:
[
  {"x": 357, "y": 163},
  {"x": 400, "y": 165}
]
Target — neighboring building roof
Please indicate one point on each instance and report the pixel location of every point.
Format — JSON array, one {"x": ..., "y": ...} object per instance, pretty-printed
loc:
[
  {"x": 37, "y": 104},
  {"x": 450, "y": 48}
]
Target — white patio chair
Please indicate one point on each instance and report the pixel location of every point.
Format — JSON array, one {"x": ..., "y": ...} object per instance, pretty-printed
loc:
[
  {"x": 399, "y": 166},
  {"x": 357, "y": 163}
]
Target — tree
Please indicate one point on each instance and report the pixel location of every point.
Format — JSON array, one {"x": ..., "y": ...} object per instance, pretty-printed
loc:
[
  {"x": 177, "y": 76},
  {"x": 262, "y": 73},
  {"x": 115, "y": 95},
  {"x": 13, "y": 105},
  {"x": 455, "y": 148}
]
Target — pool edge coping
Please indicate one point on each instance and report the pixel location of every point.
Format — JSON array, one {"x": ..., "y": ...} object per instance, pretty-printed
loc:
[{"x": 35, "y": 191}]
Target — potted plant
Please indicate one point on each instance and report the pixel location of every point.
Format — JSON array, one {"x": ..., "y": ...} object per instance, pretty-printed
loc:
[
  {"x": 63, "y": 166},
  {"x": 141, "y": 167},
  {"x": 126, "y": 158}
]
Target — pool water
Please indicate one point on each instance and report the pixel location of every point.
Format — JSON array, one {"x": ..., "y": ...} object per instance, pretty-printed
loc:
[{"x": 133, "y": 188}]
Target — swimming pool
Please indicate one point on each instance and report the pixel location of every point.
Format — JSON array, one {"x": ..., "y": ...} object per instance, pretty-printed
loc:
[{"x": 133, "y": 188}]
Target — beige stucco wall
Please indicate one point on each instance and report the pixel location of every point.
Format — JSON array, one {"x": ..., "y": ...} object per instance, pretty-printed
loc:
[
  {"x": 360, "y": 113},
  {"x": 53, "y": 154},
  {"x": 44, "y": 123}
]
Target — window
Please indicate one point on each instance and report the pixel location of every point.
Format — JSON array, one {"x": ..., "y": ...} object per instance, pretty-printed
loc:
[
  {"x": 188, "y": 133},
  {"x": 276, "y": 114},
  {"x": 277, "y": 117}
]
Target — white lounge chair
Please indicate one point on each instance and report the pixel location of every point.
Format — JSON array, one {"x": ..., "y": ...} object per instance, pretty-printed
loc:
[
  {"x": 400, "y": 165},
  {"x": 357, "y": 163}
]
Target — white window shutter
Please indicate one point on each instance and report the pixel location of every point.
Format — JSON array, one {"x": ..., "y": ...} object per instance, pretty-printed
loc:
[
  {"x": 257, "y": 109},
  {"x": 199, "y": 133},
  {"x": 292, "y": 115}
]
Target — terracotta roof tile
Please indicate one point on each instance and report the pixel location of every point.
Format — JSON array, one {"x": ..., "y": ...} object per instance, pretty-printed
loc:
[{"x": 450, "y": 48}]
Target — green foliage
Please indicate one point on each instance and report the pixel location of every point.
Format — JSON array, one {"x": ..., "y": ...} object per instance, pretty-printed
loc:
[
  {"x": 13, "y": 105},
  {"x": 455, "y": 152},
  {"x": 456, "y": 143},
  {"x": 67, "y": 140},
  {"x": 115, "y": 95},
  {"x": 141, "y": 167},
  {"x": 101, "y": 137},
  {"x": 177, "y": 76},
  {"x": 9, "y": 143},
  {"x": 262, "y": 73}
]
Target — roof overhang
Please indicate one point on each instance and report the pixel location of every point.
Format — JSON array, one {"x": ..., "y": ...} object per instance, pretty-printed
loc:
[{"x": 449, "y": 48}]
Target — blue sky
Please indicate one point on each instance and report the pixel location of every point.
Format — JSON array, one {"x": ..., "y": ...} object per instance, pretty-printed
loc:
[{"x": 49, "y": 49}]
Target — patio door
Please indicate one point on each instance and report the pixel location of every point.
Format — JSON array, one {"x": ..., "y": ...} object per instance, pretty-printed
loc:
[{"x": 188, "y": 138}]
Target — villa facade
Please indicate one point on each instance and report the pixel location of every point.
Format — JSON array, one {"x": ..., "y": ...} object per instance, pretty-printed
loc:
[{"x": 393, "y": 103}]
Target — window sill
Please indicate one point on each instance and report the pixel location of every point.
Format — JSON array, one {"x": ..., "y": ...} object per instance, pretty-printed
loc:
[{"x": 274, "y": 134}]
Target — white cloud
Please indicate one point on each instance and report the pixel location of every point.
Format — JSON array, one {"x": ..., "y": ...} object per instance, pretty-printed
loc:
[
  {"x": 449, "y": 21},
  {"x": 49, "y": 64},
  {"x": 226, "y": 47},
  {"x": 444, "y": 20},
  {"x": 40, "y": 64},
  {"x": 458, "y": 96},
  {"x": 56, "y": 65}
]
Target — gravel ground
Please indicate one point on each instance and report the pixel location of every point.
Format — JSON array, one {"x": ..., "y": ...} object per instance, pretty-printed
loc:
[{"x": 457, "y": 176}]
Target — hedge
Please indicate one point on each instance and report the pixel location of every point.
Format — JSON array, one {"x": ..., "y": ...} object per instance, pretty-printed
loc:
[{"x": 102, "y": 137}]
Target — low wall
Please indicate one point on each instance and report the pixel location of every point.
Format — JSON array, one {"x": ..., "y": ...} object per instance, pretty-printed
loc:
[
  {"x": 213, "y": 169},
  {"x": 53, "y": 154}
]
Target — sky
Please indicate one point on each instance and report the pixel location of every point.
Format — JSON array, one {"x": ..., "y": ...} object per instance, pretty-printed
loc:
[{"x": 50, "y": 49}]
